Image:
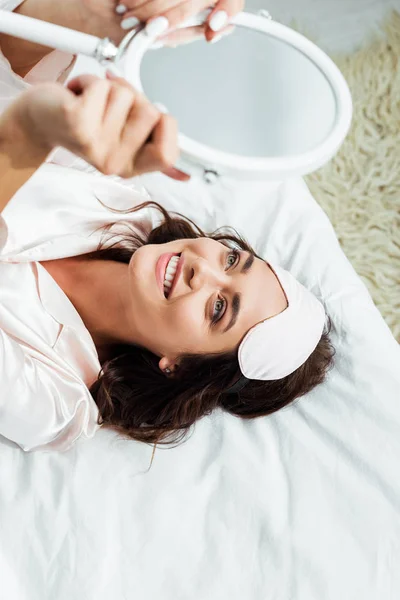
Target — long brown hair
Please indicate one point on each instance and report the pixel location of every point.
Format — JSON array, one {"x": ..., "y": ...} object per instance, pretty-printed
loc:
[{"x": 139, "y": 401}]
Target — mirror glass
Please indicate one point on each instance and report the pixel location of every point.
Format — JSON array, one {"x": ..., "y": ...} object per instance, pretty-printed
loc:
[{"x": 249, "y": 94}]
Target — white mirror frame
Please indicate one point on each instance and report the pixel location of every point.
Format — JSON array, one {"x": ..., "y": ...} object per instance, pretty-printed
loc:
[{"x": 197, "y": 158}]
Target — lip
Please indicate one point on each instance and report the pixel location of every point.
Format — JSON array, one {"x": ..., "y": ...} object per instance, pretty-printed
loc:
[{"x": 161, "y": 266}]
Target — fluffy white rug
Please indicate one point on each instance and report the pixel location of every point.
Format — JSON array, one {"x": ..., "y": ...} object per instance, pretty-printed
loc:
[{"x": 360, "y": 188}]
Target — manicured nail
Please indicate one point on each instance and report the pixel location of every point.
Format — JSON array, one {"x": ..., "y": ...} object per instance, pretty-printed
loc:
[
  {"x": 121, "y": 9},
  {"x": 216, "y": 39},
  {"x": 157, "y": 26},
  {"x": 161, "y": 107},
  {"x": 219, "y": 20},
  {"x": 129, "y": 23},
  {"x": 157, "y": 45},
  {"x": 226, "y": 32},
  {"x": 113, "y": 71}
]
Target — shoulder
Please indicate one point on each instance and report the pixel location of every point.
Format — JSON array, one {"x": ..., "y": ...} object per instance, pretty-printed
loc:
[{"x": 42, "y": 406}]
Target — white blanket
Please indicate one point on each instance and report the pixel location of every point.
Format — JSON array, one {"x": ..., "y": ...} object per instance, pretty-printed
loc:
[{"x": 302, "y": 505}]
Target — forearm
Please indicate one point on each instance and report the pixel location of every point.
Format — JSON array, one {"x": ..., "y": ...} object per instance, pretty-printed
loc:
[
  {"x": 19, "y": 159},
  {"x": 23, "y": 55}
]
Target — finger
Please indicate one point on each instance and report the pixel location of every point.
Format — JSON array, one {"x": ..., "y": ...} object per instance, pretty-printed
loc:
[
  {"x": 131, "y": 5},
  {"x": 81, "y": 82},
  {"x": 56, "y": 94},
  {"x": 118, "y": 79},
  {"x": 213, "y": 37},
  {"x": 161, "y": 153},
  {"x": 176, "y": 174},
  {"x": 175, "y": 11},
  {"x": 183, "y": 10},
  {"x": 180, "y": 37},
  {"x": 121, "y": 156},
  {"x": 220, "y": 16},
  {"x": 144, "y": 10},
  {"x": 119, "y": 106},
  {"x": 142, "y": 119},
  {"x": 94, "y": 95}
]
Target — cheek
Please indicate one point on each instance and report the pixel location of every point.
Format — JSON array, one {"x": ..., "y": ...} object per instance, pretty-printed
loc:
[
  {"x": 183, "y": 316},
  {"x": 143, "y": 281},
  {"x": 182, "y": 326}
]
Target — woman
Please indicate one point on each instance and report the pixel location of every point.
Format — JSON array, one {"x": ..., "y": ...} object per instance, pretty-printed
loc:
[{"x": 147, "y": 331}]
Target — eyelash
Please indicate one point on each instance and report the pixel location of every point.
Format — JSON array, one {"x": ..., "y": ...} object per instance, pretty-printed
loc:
[{"x": 220, "y": 314}]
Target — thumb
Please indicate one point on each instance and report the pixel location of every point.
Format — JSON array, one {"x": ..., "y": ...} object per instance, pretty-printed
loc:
[{"x": 80, "y": 83}]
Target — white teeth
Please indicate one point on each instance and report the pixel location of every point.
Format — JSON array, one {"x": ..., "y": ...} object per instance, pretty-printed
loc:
[{"x": 170, "y": 272}]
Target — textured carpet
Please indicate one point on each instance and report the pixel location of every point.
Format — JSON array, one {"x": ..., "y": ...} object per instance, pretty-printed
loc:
[{"x": 359, "y": 188}]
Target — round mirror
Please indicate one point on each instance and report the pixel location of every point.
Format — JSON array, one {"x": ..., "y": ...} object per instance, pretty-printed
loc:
[
  {"x": 250, "y": 94},
  {"x": 262, "y": 103}
]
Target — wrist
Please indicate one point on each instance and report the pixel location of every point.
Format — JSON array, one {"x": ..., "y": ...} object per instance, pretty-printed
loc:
[
  {"x": 24, "y": 55},
  {"x": 67, "y": 13},
  {"x": 73, "y": 14},
  {"x": 18, "y": 145},
  {"x": 19, "y": 159}
]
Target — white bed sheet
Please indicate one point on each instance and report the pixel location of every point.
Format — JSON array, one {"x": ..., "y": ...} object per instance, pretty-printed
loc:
[{"x": 302, "y": 505}]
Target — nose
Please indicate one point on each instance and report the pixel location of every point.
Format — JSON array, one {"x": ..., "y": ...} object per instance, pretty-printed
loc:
[{"x": 205, "y": 274}]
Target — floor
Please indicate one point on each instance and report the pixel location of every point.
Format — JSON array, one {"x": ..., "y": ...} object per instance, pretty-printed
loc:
[{"x": 335, "y": 25}]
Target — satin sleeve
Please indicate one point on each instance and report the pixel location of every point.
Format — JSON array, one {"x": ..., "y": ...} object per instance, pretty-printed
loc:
[
  {"x": 3, "y": 233},
  {"x": 10, "y": 5},
  {"x": 34, "y": 408},
  {"x": 55, "y": 66}
]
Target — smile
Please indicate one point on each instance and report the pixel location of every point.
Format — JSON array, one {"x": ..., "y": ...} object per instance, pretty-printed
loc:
[
  {"x": 168, "y": 269},
  {"x": 170, "y": 273}
]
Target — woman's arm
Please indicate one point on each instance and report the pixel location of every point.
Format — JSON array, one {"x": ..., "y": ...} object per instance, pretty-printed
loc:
[
  {"x": 105, "y": 122},
  {"x": 19, "y": 159},
  {"x": 23, "y": 55}
]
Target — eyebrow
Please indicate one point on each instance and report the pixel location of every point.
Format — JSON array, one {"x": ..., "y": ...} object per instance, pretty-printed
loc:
[
  {"x": 236, "y": 300},
  {"x": 248, "y": 264}
]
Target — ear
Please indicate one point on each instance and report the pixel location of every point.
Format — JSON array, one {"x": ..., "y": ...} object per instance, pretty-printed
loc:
[{"x": 168, "y": 363}]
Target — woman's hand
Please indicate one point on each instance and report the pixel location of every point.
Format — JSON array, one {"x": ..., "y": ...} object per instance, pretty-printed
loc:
[
  {"x": 105, "y": 122},
  {"x": 106, "y": 18},
  {"x": 161, "y": 16}
]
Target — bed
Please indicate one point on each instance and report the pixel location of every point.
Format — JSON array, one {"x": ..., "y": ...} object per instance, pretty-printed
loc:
[{"x": 302, "y": 505}]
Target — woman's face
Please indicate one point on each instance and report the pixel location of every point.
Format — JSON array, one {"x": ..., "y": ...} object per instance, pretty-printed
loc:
[{"x": 217, "y": 295}]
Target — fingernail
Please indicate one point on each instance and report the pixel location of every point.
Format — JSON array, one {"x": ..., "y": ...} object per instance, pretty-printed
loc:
[
  {"x": 121, "y": 9},
  {"x": 219, "y": 37},
  {"x": 216, "y": 39},
  {"x": 157, "y": 45},
  {"x": 113, "y": 71},
  {"x": 161, "y": 107},
  {"x": 219, "y": 20},
  {"x": 129, "y": 23},
  {"x": 157, "y": 27}
]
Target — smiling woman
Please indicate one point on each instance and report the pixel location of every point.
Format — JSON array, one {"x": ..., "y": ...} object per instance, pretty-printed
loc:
[
  {"x": 215, "y": 293},
  {"x": 186, "y": 364},
  {"x": 141, "y": 334}
]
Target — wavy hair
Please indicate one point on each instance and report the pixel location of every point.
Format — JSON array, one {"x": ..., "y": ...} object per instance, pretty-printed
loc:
[{"x": 140, "y": 402}]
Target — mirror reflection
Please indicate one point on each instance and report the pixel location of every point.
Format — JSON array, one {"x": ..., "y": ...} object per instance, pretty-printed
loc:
[{"x": 249, "y": 94}]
